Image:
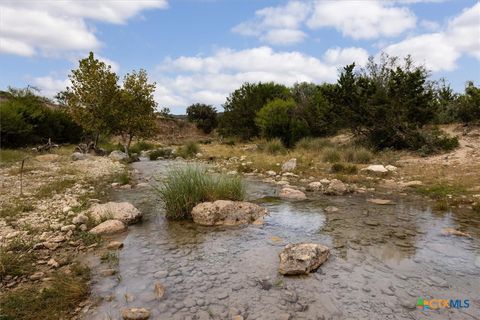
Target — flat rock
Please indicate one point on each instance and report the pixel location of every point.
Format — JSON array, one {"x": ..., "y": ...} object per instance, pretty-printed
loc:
[
  {"x": 109, "y": 227},
  {"x": 78, "y": 156},
  {"x": 302, "y": 258},
  {"x": 380, "y": 201},
  {"x": 123, "y": 211},
  {"x": 293, "y": 194},
  {"x": 289, "y": 165},
  {"x": 331, "y": 209},
  {"x": 135, "y": 314},
  {"x": 454, "y": 232},
  {"x": 227, "y": 212},
  {"x": 377, "y": 168},
  {"x": 114, "y": 245}
]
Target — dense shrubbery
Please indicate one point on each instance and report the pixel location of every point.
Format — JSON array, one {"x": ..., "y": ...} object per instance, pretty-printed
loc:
[
  {"x": 184, "y": 188},
  {"x": 25, "y": 119},
  {"x": 204, "y": 116}
]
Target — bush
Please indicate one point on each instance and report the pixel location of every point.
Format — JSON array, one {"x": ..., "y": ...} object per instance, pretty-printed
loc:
[
  {"x": 433, "y": 141},
  {"x": 274, "y": 146},
  {"x": 331, "y": 155},
  {"x": 189, "y": 150},
  {"x": 313, "y": 144},
  {"x": 160, "y": 153},
  {"x": 357, "y": 155},
  {"x": 184, "y": 188},
  {"x": 141, "y": 146},
  {"x": 344, "y": 168},
  {"x": 468, "y": 109},
  {"x": 204, "y": 116}
]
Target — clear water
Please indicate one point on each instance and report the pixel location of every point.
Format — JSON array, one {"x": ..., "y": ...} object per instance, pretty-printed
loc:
[{"x": 384, "y": 258}]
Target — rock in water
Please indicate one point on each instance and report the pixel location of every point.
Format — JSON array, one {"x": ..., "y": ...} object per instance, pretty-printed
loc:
[
  {"x": 123, "y": 211},
  {"x": 336, "y": 187},
  {"x": 159, "y": 290},
  {"x": 226, "y": 212},
  {"x": 118, "y": 155},
  {"x": 302, "y": 258},
  {"x": 135, "y": 314},
  {"x": 380, "y": 201},
  {"x": 109, "y": 227},
  {"x": 454, "y": 232},
  {"x": 289, "y": 193},
  {"x": 290, "y": 165}
]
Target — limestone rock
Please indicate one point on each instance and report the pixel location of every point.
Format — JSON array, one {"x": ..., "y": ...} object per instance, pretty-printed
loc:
[
  {"x": 78, "y": 156},
  {"x": 315, "y": 186},
  {"x": 114, "y": 245},
  {"x": 135, "y": 314},
  {"x": 380, "y": 201},
  {"x": 159, "y": 290},
  {"x": 290, "y": 165},
  {"x": 302, "y": 258},
  {"x": 226, "y": 212},
  {"x": 118, "y": 155},
  {"x": 377, "y": 168},
  {"x": 123, "y": 211},
  {"x": 336, "y": 187},
  {"x": 109, "y": 227},
  {"x": 293, "y": 194}
]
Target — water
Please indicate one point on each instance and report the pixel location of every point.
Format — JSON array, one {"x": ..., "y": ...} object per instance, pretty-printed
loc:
[{"x": 384, "y": 258}]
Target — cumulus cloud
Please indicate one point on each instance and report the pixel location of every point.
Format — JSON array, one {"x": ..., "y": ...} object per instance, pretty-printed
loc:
[
  {"x": 441, "y": 50},
  {"x": 368, "y": 19},
  {"x": 185, "y": 80},
  {"x": 51, "y": 26},
  {"x": 49, "y": 85}
]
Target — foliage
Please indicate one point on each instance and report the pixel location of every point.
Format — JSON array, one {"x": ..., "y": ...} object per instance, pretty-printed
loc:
[
  {"x": 190, "y": 149},
  {"x": 141, "y": 146},
  {"x": 163, "y": 153},
  {"x": 469, "y": 104},
  {"x": 204, "y": 116},
  {"x": 313, "y": 144},
  {"x": 243, "y": 104},
  {"x": 357, "y": 154},
  {"x": 446, "y": 103},
  {"x": 331, "y": 155},
  {"x": 273, "y": 146},
  {"x": 184, "y": 188},
  {"x": 93, "y": 96},
  {"x": 25, "y": 119},
  {"x": 344, "y": 168}
]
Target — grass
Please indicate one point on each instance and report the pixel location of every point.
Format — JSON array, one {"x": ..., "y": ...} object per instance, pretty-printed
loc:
[
  {"x": 160, "y": 153},
  {"x": 313, "y": 144},
  {"x": 441, "y": 191},
  {"x": 15, "y": 208},
  {"x": 122, "y": 177},
  {"x": 55, "y": 187},
  {"x": 57, "y": 300},
  {"x": 141, "y": 146},
  {"x": 273, "y": 146},
  {"x": 189, "y": 150},
  {"x": 344, "y": 168},
  {"x": 110, "y": 258},
  {"x": 183, "y": 188},
  {"x": 356, "y": 155},
  {"x": 14, "y": 263},
  {"x": 331, "y": 155},
  {"x": 9, "y": 156}
]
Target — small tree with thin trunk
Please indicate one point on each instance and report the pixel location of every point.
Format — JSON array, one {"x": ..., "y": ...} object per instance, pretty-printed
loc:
[
  {"x": 93, "y": 95},
  {"x": 134, "y": 114}
]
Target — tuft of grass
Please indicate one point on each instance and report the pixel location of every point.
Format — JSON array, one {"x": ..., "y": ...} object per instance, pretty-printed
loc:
[
  {"x": 11, "y": 210},
  {"x": 184, "y": 188},
  {"x": 141, "y": 146},
  {"x": 440, "y": 191},
  {"x": 55, "y": 187},
  {"x": 87, "y": 238},
  {"x": 58, "y": 300},
  {"x": 331, "y": 155},
  {"x": 110, "y": 258},
  {"x": 14, "y": 263},
  {"x": 273, "y": 146},
  {"x": 189, "y": 150},
  {"x": 229, "y": 142},
  {"x": 163, "y": 153},
  {"x": 122, "y": 177},
  {"x": 9, "y": 156},
  {"x": 357, "y": 155},
  {"x": 344, "y": 168},
  {"x": 313, "y": 144}
]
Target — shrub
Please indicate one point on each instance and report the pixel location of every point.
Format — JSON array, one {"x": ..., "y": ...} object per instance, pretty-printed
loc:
[
  {"x": 331, "y": 155},
  {"x": 183, "y": 188},
  {"x": 160, "y": 153},
  {"x": 344, "y": 168},
  {"x": 190, "y": 149},
  {"x": 468, "y": 109},
  {"x": 141, "y": 146},
  {"x": 313, "y": 144},
  {"x": 204, "y": 116},
  {"x": 357, "y": 155},
  {"x": 274, "y": 146}
]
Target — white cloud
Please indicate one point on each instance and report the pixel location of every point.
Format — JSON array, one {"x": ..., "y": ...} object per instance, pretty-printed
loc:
[
  {"x": 277, "y": 25},
  {"x": 362, "y": 19},
  {"x": 186, "y": 80},
  {"x": 49, "y": 86},
  {"x": 115, "y": 66},
  {"x": 52, "y": 26},
  {"x": 441, "y": 50}
]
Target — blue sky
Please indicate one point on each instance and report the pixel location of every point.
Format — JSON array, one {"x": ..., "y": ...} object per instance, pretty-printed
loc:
[{"x": 201, "y": 50}]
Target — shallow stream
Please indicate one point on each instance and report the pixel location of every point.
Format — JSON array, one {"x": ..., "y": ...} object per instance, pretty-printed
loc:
[{"x": 383, "y": 259}]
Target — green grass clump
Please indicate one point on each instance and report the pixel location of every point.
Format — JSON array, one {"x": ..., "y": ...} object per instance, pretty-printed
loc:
[
  {"x": 14, "y": 209},
  {"x": 357, "y": 155},
  {"x": 273, "y": 146},
  {"x": 122, "y": 177},
  {"x": 189, "y": 150},
  {"x": 160, "y": 153},
  {"x": 110, "y": 258},
  {"x": 186, "y": 187},
  {"x": 58, "y": 300},
  {"x": 9, "y": 156},
  {"x": 55, "y": 187},
  {"x": 14, "y": 263},
  {"x": 344, "y": 168},
  {"x": 313, "y": 144},
  {"x": 441, "y": 191},
  {"x": 141, "y": 146},
  {"x": 331, "y": 155}
]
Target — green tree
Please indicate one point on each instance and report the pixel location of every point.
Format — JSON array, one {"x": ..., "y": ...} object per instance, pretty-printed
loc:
[
  {"x": 468, "y": 104},
  {"x": 134, "y": 115},
  {"x": 242, "y": 105},
  {"x": 204, "y": 116},
  {"x": 446, "y": 103},
  {"x": 93, "y": 95}
]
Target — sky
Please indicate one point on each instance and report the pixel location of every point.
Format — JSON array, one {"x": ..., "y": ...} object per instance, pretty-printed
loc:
[{"x": 199, "y": 51}]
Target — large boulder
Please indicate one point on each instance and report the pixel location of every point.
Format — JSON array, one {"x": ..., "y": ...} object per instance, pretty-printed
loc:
[
  {"x": 226, "y": 212},
  {"x": 376, "y": 168},
  {"x": 109, "y": 227},
  {"x": 290, "y": 165},
  {"x": 123, "y": 211},
  {"x": 78, "y": 156},
  {"x": 302, "y": 258},
  {"x": 336, "y": 187},
  {"x": 293, "y": 194},
  {"x": 118, "y": 155},
  {"x": 135, "y": 314}
]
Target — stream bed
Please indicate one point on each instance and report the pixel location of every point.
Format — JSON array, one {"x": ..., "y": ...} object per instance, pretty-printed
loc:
[{"x": 383, "y": 260}]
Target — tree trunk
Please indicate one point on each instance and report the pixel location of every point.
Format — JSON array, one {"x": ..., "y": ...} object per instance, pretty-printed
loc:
[
  {"x": 127, "y": 140},
  {"x": 97, "y": 136}
]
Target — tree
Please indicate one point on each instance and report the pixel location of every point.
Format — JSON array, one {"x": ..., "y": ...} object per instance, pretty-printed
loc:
[
  {"x": 204, "y": 116},
  {"x": 93, "y": 95},
  {"x": 446, "y": 102},
  {"x": 242, "y": 105},
  {"x": 468, "y": 109},
  {"x": 134, "y": 115},
  {"x": 277, "y": 120}
]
